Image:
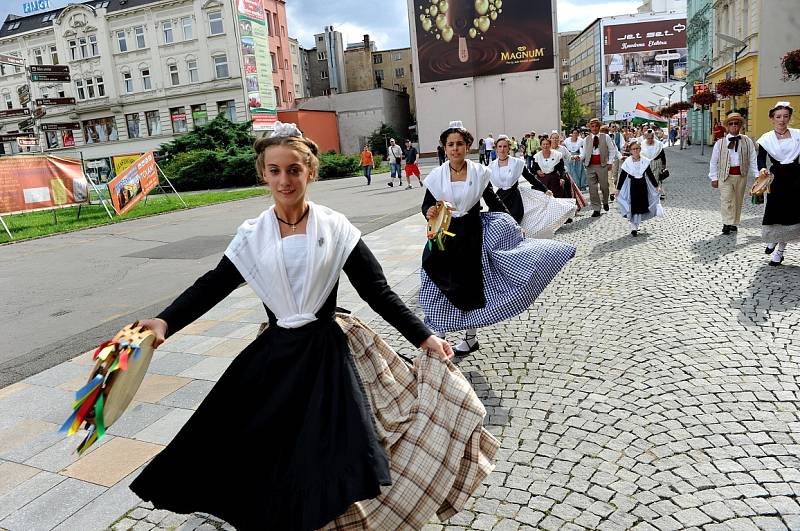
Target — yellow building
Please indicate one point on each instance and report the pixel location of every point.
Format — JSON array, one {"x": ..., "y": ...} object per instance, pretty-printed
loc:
[{"x": 769, "y": 34}]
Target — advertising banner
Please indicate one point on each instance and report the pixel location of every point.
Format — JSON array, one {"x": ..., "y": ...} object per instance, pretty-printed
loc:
[
  {"x": 40, "y": 181},
  {"x": 466, "y": 38},
  {"x": 129, "y": 187},
  {"x": 257, "y": 64},
  {"x": 643, "y": 55},
  {"x": 123, "y": 162}
]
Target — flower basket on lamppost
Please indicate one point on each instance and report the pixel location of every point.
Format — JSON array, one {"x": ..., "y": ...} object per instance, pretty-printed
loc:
[
  {"x": 733, "y": 87},
  {"x": 791, "y": 65},
  {"x": 704, "y": 99}
]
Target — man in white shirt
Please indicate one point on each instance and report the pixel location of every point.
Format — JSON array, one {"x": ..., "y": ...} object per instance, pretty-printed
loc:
[
  {"x": 488, "y": 143},
  {"x": 599, "y": 154},
  {"x": 395, "y": 161},
  {"x": 733, "y": 160}
]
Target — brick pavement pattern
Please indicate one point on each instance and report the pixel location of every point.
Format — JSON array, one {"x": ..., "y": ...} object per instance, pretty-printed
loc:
[{"x": 652, "y": 386}]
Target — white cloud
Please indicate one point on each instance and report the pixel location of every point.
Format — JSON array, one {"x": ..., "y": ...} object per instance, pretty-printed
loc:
[{"x": 576, "y": 15}]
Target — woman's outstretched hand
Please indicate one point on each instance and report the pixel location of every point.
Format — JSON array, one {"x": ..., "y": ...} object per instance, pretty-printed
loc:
[
  {"x": 158, "y": 327},
  {"x": 432, "y": 212},
  {"x": 437, "y": 347}
]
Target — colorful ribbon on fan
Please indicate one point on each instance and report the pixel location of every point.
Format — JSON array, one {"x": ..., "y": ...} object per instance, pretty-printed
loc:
[
  {"x": 91, "y": 397},
  {"x": 438, "y": 239}
]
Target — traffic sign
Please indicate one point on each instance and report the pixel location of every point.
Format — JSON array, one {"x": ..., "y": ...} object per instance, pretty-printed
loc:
[
  {"x": 27, "y": 141},
  {"x": 24, "y": 94},
  {"x": 12, "y": 60},
  {"x": 9, "y": 113},
  {"x": 26, "y": 124},
  {"x": 57, "y": 77},
  {"x": 39, "y": 112},
  {"x": 59, "y": 126},
  {"x": 699, "y": 87},
  {"x": 668, "y": 57},
  {"x": 55, "y": 101},
  {"x": 48, "y": 69}
]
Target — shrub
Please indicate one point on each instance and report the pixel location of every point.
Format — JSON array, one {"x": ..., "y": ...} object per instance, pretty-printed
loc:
[{"x": 333, "y": 165}]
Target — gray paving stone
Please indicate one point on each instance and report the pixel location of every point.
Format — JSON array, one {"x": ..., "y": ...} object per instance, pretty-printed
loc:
[{"x": 53, "y": 507}]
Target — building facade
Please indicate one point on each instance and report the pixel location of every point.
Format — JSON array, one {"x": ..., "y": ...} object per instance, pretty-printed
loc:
[
  {"x": 358, "y": 65},
  {"x": 141, "y": 72},
  {"x": 768, "y": 33},
  {"x": 326, "y": 66},
  {"x": 393, "y": 69},
  {"x": 296, "y": 60},
  {"x": 585, "y": 67},
  {"x": 564, "y": 39},
  {"x": 280, "y": 53},
  {"x": 699, "y": 37}
]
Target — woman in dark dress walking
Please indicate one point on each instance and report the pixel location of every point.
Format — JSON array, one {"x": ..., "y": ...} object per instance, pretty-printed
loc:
[
  {"x": 299, "y": 432},
  {"x": 548, "y": 164},
  {"x": 639, "y": 197}
]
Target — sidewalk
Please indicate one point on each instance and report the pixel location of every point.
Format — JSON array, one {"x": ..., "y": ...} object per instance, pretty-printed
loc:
[{"x": 43, "y": 485}]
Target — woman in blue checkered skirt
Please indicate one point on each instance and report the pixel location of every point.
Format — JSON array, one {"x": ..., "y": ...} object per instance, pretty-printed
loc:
[{"x": 488, "y": 272}]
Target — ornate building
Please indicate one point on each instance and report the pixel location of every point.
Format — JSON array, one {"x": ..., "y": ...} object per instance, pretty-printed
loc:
[{"x": 699, "y": 37}]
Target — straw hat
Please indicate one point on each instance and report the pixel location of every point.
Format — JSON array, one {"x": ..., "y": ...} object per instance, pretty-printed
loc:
[{"x": 734, "y": 116}]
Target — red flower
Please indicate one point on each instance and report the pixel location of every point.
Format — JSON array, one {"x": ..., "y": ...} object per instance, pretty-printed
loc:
[{"x": 733, "y": 87}]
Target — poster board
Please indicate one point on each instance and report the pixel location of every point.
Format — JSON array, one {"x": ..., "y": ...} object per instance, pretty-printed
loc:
[
  {"x": 123, "y": 162},
  {"x": 134, "y": 183},
  {"x": 257, "y": 64},
  {"x": 35, "y": 182}
]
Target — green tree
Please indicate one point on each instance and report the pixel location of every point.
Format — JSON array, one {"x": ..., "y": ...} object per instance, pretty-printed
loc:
[
  {"x": 219, "y": 134},
  {"x": 379, "y": 139},
  {"x": 571, "y": 109}
]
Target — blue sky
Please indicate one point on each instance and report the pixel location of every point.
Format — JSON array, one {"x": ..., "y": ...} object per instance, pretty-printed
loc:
[{"x": 388, "y": 26}]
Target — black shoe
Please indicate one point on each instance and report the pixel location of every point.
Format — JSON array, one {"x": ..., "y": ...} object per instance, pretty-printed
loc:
[
  {"x": 770, "y": 250},
  {"x": 390, "y": 184},
  {"x": 611, "y": 198},
  {"x": 596, "y": 214},
  {"x": 726, "y": 229},
  {"x": 634, "y": 233},
  {"x": 733, "y": 228},
  {"x": 663, "y": 196},
  {"x": 569, "y": 220},
  {"x": 605, "y": 207},
  {"x": 473, "y": 348},
  {"x": 774, "y": 263}
]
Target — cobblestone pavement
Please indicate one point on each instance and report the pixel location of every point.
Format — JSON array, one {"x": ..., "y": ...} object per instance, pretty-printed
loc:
[{"x": 653, "y": 385}]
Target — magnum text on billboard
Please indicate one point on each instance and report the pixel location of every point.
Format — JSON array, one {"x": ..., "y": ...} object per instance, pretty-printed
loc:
[{"x": 470, "y": 38}]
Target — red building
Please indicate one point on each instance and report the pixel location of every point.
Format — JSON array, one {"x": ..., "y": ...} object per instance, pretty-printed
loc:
[{"x": 278, "y": 32}]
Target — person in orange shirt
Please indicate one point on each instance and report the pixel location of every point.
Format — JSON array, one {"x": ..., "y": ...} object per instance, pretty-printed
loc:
[{"x": 367, "y": 163}]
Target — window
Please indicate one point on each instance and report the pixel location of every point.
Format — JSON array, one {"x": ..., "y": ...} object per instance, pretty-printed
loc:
[
  {"x": 294, "y": 68},
  {"x": 399, "y": 72},
  {"x": 320, "y": 56},
  {"x": 221, "y": 66},
  {"x": 186, "y": 24},
  {"x": 227, "y": 109},
  {"x": 9, "y": 101},
  {"x": 89, "y": 87},
  {"x": 565, "y": 76},
  {"x": 283, "y": 31},
  {"x": 199, "y": 114},
  {"x": 123, "y": 44},
  {"x": 153, "y": 123},
  {"x": 191, "y": 65},
  {"x": 79, "y": 90},
  {"x": 377, "y": 59},
  {"x": 138, "y": 32},
  {"x": 101, "y": 87},
  {"x": 93, "y": 45},
  {"x": 177, "y": 116},
  {"x": 397, "y": 56},
  {"x": 146, "y": 82},
  {"x": 82, "y": 46},
  {"x": 100, "y": 130},
  {"x": 277, "y": 96},
  {"x": 379, "y": 74},
  {"x": 169, "y": 38},
  {"x": 53, "y": 55},
  {"x": 275, "y": 23},
  {"x": 132, "y": 122},
  {"x": 323, "y": 74},
  {"x": 215, "y": 22},
  {"x": 127, "y": 81},
  {"x": 73, "y": 50},
  {"x": 37, "y": 56},
  {"x": 269, "y": 25},
  {"x": 173, "y": 75},
  {"x": 274, "y": 61}
]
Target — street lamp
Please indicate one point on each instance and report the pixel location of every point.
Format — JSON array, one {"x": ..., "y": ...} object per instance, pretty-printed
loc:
[
  {"x": 736, "y": 54},
  {"x": 702, "y": 63}
]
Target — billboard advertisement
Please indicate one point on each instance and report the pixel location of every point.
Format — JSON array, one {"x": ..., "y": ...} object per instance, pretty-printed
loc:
[
  {"x": 643, "y": 56},
  {"x": 123, "y": 162},
  {"x": 472, "y": 38},
  {"x": 257, "y": 64},
  {"x": 40, "y": 181},
  {"x": 130, "y": 186}
]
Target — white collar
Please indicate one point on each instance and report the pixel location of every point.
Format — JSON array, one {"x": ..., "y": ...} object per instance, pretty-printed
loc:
[
  {"x": 515, "y": 168},
  {"x": 548, "y": 164},
  {"x": 634, "y": 168},
  {"x": 441, "y": 187},
  {"x": 257, "y": 253},
  {"x": 783, "y": 152}
]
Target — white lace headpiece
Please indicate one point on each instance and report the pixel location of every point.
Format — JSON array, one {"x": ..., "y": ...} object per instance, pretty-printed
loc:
[
  {"x": 456, "y": 124},
  {"x": 282, "y": 129}
]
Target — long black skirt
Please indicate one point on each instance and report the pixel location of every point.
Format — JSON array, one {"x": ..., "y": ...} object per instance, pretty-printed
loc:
[
  {"x": 285, "y": 440},
  {"x": 512, "y": 199}
]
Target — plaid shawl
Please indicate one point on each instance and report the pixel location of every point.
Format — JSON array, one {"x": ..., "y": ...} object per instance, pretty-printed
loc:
[{"x": 430, "y": 422}]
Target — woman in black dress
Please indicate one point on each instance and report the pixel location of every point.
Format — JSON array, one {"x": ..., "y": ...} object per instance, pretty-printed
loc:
[
  {"x": 287, "y": 438},
  {"x": 548, "y": 164},
  {"x": 506, "y": 171},
  {"x": 638, "y": 198},
  {"x": 779, "y": 155}
]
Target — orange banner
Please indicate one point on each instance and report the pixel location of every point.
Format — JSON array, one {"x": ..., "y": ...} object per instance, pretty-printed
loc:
[
  {"x": 130, "y": 186},
  {"x": 33, "y": 182}
]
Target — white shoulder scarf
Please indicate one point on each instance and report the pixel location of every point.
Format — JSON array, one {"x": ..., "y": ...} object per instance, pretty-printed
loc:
[
  {"x": 506, "y": 181},
  {"x": 783, "y": 152},
  {"x": 441, "y": 187},
  {"x": 636, "y": 169},
  {"x": 549, "y": 164},
  {"x": 257, "y": 253},
  {"x": 651, "y": 152}
]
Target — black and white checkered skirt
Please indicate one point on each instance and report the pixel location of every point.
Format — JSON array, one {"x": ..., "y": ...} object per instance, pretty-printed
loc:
[{"x": 515, "y": 271}]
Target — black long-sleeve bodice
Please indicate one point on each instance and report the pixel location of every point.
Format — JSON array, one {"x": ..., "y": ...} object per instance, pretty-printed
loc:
[
  {"x": 363, "y": 270},
  {"x": 639, "y": 198},
  {"x": 781, "y": 205}
]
